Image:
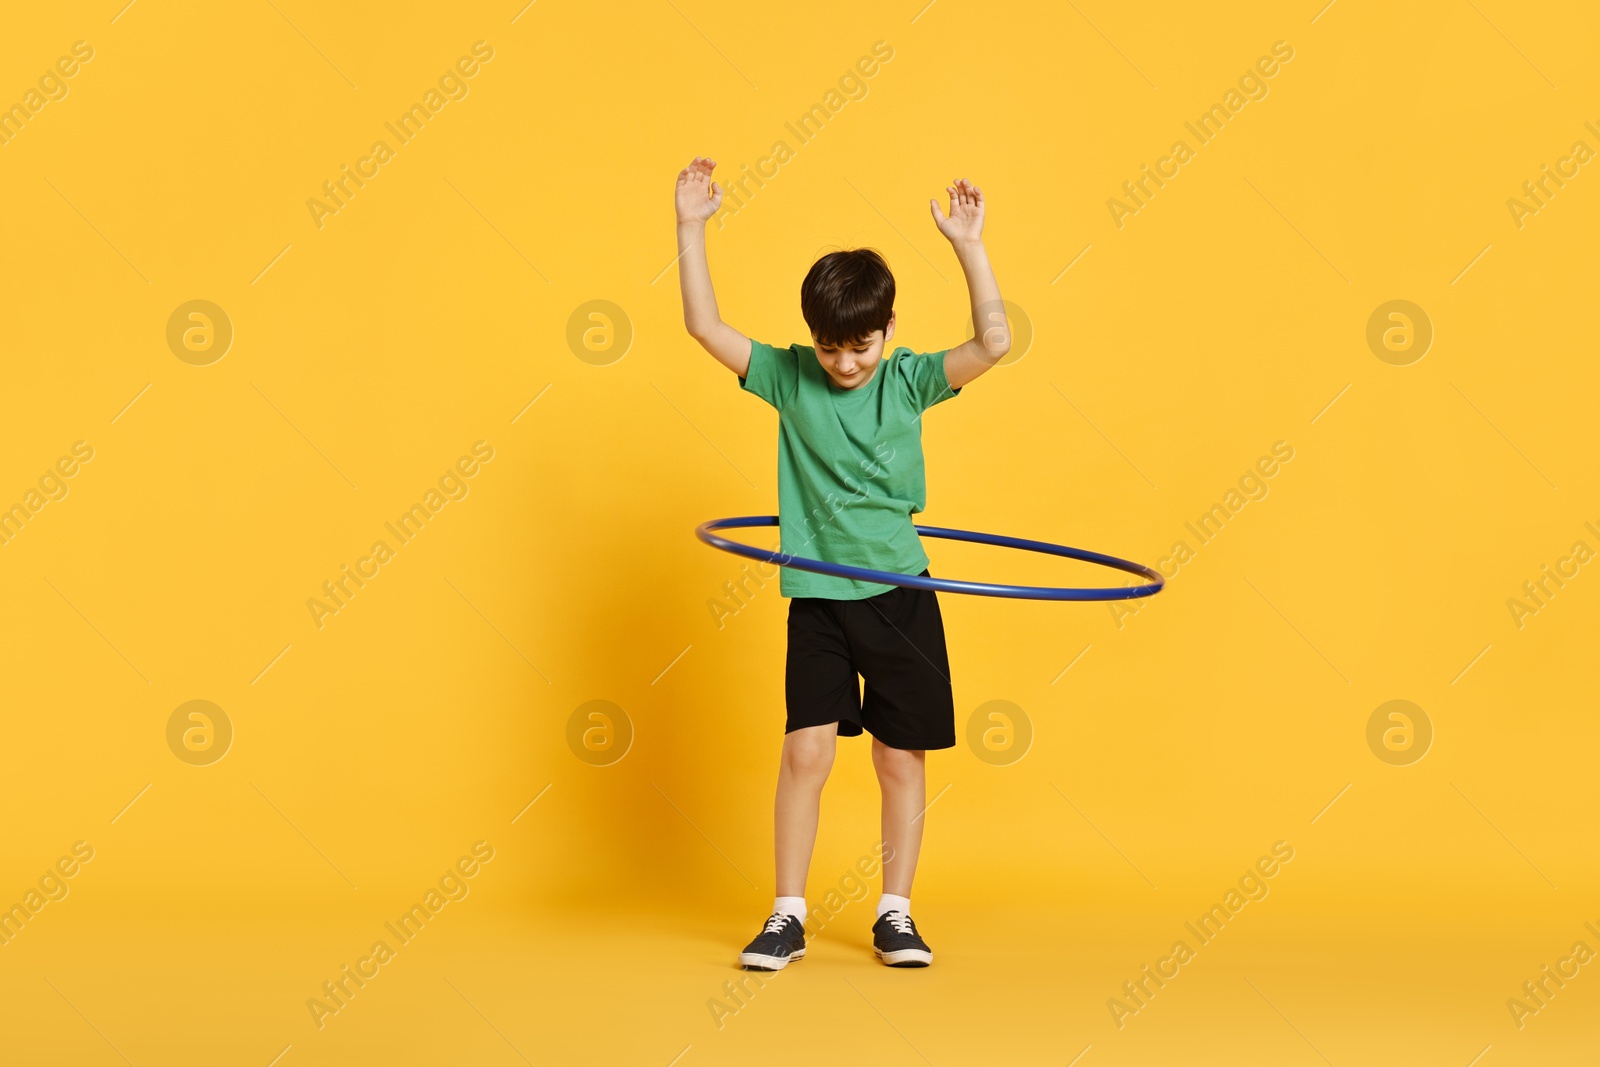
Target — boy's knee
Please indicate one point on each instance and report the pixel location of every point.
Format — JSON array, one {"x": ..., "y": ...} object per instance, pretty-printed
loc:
[
  {"x": 897, "y": 763},
  {"x": 809, "y": 757}
]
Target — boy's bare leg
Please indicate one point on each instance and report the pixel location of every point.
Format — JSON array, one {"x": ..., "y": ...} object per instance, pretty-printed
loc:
[
  {"x": 807, "y": 759},
  {"x": 903, "y": 777}
]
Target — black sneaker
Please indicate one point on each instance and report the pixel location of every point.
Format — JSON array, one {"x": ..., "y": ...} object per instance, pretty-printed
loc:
[
  {"x": 896, "y": 942},
  {"x": 783, "y": 940}
]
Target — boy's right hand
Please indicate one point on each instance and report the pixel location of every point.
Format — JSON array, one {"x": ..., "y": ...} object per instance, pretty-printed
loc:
[{"x": 698, "y": 197}]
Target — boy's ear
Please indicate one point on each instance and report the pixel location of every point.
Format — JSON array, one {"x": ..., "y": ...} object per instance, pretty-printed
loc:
[{"x": 888, "y": 331}]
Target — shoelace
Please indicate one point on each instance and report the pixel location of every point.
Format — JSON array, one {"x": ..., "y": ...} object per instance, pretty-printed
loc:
[
  {"x": 900, "y": 921},
  {"x": 776, "y": 924}
]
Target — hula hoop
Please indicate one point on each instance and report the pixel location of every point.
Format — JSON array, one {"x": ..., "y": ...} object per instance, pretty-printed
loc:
[{"x": 944, "y": 585}]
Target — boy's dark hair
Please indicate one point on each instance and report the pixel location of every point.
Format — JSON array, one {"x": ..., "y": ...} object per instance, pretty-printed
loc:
[{"x": 847, "y": 295}]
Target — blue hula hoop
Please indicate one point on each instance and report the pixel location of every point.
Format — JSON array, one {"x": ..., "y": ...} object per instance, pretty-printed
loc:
[{"x": 944, "y": 585}]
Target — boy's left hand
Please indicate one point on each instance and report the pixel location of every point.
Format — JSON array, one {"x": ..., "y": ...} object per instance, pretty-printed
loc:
[{"x": 964, "y": 225}]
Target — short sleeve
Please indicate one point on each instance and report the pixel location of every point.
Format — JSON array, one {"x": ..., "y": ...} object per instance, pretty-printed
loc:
[
  {"x": 773, "y": 373},
  {"x": 924, "y": 374}
]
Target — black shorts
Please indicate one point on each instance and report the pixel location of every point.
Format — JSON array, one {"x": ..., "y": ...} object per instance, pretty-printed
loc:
[{"x": 895, "y": 641}]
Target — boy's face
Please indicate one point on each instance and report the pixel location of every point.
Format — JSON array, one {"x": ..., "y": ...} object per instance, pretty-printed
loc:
[{"x": 851, "y": 366}]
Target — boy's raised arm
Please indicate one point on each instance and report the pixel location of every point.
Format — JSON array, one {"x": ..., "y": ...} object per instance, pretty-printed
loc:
[
  {"x": 964, "y": 229},
  {"x": 698, "y": 198}
]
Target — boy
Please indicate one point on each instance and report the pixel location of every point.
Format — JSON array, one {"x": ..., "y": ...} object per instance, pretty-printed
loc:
[{"x": 850, "y": 477}]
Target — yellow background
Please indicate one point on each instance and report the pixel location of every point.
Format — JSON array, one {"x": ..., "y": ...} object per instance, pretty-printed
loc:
[{"x": 428, "y": 713}]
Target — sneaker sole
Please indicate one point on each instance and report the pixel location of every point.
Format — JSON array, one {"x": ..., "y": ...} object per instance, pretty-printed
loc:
[
  {"x": 905, "y": 957},
  {"x": 756, "y": 961}
]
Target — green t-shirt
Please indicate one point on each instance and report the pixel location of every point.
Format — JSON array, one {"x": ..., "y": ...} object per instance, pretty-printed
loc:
[{"x": 850, "y": 472}]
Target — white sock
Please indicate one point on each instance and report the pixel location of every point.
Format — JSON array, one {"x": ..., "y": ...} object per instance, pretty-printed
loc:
[
  {"x": 795, "y": 906},
  {"x": 890, "y": 902}
]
